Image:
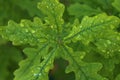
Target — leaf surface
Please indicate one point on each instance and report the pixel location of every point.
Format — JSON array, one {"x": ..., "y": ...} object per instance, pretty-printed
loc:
[
  {"x": 26, "y": 32},
  {"x": 92, "y": 28},
  {"x": 82, "y": 70},
  {"x": 80, "y": 10},
  {"x": 36, "y": 66},
  {"x": 53, "y": 38},
  {"x": 42, "y": 36}
]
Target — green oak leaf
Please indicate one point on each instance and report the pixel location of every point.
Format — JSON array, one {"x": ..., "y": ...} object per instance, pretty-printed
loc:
[
  {"x": 93, "y": 28},
  {"x": 82, "y": 70},
  {"x": 50, "y": 39},
  {"x": 54, "y": 11},
  {"x": 32, "y": 68}
]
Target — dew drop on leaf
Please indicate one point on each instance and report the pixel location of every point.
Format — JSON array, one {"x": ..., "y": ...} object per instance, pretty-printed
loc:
[
  {"x": 114, "y": 44},
  {"x": 51, "y": 26},
  {"x": 81, "y": 26},
  {"x": 21, "y": 41},
  {"x": 46, "y": 69},
  {"x": 119, "y": 50},
  {"x": 22, "y": 25},
  {"x": 25, "y": 39},
  {"x": 47, "y": 7},
  {"x": 26, "y": 30},
  {"x": 33, "y": 31},
  {"x": 108, "y": 52},
  {"x": 118, "y": 38},
  {"x": 101, "y": 21},
  {"x": 103, "y": 51},
  {"x": 37, "y": 74},
  {"x": 108, "y": 41},
  {"x": 116, "y": 21}
]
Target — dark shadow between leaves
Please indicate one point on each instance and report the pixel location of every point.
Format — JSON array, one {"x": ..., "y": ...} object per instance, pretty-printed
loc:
[{"x": 58, "y": 72}]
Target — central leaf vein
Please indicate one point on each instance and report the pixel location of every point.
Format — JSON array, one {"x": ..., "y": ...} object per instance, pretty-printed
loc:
[
  {"x": 51, "y": 53},
  {"x": 79, "y": 67},
  {"x": 87, "y": 29}
]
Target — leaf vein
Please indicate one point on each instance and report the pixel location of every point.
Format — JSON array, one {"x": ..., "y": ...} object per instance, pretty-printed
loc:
[
  {"x": 86, "y": 29},
  {"x": 79, "y": 67}
]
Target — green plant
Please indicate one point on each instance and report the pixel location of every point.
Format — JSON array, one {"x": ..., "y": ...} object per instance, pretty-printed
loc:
[{"x": 90, "y": 45}]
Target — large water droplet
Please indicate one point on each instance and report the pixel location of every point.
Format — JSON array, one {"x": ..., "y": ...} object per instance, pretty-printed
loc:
[
  {"x": 47, "y": 6},
  {"x": 21, "y": 41},
  {"x": 112, "y": 27},
  {"x": 33, "y": 31},
  {"x": 51, "y": 26},
  {"x": 101, "y": 21},
  {"x": 25, "y": 39},
  {"x": 37, "y": 74},
  {"x": 108, "y": 52},
  {"x": 116, "y": 21},
  {"x": 46, "y": 69},
  {"x": 103, "y": 51},
  {"x": 22, "y": 25},
  {"x": 26, "y": 30},
  {"x": 108, "y": 41},
  {"x": 80, "y": 26},
  {"x": 119, "y": 50},
  {"x": 118, "y": 38}
]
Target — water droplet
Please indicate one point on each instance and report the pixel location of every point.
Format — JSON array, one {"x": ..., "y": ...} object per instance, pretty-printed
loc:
[
  {"x": 108, "y": 41},
  {"x": 108, "y": 52},
  {"x": 105, "y": 44},
  {"x": 103, "y": 51},
  {"x": 81, "y": 57},
  {"x": 39, "y": 74},
  {"x": 21, "y": 41},
  {"x": 101, "y": 21},
  {"x": 80, "y": 26},
  {"x": 22, "y": 25},
  {"x": 38, "y": 68},
  {"x": 38, "y": 39},
  {"x": 118, "y": 38},
  {"x": 32, "y": 71},
  {"x": 26, "y": 30},
  {"x": 119, "y": 50},
  {"x": 51, "y": 26},
  {"x": 47, "y": 7},
  {"x": 114, "y": 44},
  {"x": 35, "y": 74},
  {"x": 116, "y": 21},
  {"x": 25, "y": 39},
  {"x": 112, "y": 27},
  {"x": 46, "y": 69},
  {"x": 33, "y": 31},
  {"x": 111, "y": 51},
  {"x": 96, "y": 17}
]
